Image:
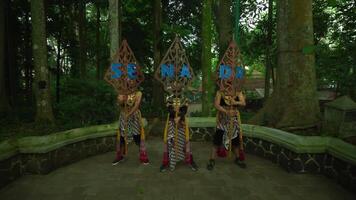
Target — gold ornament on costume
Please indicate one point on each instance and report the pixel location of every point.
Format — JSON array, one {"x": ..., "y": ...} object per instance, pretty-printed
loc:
[
  {"x": 175, "y": 101},
  {"x": 229, "y": 99},
  {"x": 131, "y": 99}
]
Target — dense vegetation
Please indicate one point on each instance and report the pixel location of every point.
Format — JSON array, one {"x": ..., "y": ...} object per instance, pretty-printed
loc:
[{"x": 78, "y": 52}]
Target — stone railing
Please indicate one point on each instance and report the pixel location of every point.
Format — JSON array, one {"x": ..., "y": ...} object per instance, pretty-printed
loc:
[
  {"x": 42, "y": 154},
  {"x": 300, "y": 154}
]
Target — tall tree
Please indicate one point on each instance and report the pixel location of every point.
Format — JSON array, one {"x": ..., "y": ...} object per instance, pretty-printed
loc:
[
  {"x": 59, "y": 49},
  {"x": 268, "y": 50},
  {"x": 28, "y": 56},
  {"x": 4, "y": 101},
  {"x": 42, "y": 85},
  {"x": 206, "y": 57},
  {"x": 293, "y": 104},
  {"x": 119, "y": 20},
  {"x": 97, "y": 36},
  {"x": 82, "y": 38},
  {"x": 114, "y": 26},
  {"x": 224, "y": 24},
  {"x": 157, "y": 12},
  {"x": 237, "y": 17},
  {"x": 11, "y": 56}
]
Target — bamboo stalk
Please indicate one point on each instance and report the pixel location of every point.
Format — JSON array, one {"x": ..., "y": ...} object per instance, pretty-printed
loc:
[
  {"x": 142, "y": 135},
  {"x": 125, "y": 130},
  {"x": 187, "y": 135},
  {"x": 230, "y": 133},
  {"x": 176, "y": 135},
  {"x": 166, "y": 130},
  {"x": 240, "y": 130}
]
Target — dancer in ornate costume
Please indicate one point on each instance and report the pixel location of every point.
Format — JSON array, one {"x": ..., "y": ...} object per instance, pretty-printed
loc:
[
  {"x": 228, "y": 99},
  {"x": 125, "y": 76},
  {"x": 176, "y": 74}
]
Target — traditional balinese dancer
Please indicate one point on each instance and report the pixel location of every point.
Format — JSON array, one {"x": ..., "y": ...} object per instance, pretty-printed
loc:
[
  {"x": 229, "y": 97},
  {"x": 125, "y": 76},
  {"x": 176, "y": 74}
]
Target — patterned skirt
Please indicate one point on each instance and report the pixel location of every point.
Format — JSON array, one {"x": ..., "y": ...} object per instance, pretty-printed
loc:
[
  {"x": 230, "y": 126},
  {"x": 176, "y": 149},
  {"x": 133, "y": 124}
]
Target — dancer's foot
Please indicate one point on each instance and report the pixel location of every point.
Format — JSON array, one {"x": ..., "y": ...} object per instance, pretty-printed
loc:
[
  {"x": 194, "y": 166},
  {"x": 118, "y": 160},
  {"x": 240, "y": 163},
  {"x": 145, "y": 162},
  {"x": 163, "y": 168},
  {"x": 211, "y": 164}
]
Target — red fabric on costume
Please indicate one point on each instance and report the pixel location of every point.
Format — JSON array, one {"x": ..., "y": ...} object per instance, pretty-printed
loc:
[
  {"x": 143, "y": 157},
  {"x": 188, "y": 158},
  {"x": 221, "y": 152},
  {"x": 241, "y": 155},
  {"x": 165, "y": 160}
]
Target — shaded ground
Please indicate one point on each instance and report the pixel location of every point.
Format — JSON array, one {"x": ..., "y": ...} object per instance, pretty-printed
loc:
[{"x": 95, "y": 178}]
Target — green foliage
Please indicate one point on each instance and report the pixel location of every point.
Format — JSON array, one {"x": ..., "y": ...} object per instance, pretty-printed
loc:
[
  {"x": 86, "y": 103},
  {"x": 335, "y": 36},
  {"x": 89, "y": 102}
]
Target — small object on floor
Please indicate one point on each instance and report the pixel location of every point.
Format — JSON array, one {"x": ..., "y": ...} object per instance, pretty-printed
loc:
[
  {"x": 240, "y": 163},
  {"x": 194, "y": 166},
  {"x": 118, "y": 160},
  {"x": 211, "y": 164}
]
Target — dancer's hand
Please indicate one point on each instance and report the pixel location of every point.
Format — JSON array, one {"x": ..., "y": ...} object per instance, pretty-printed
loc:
[
  {"x": 232, "y": 113},
  {"x": 126, "y": 115},
  {"x": 176, "y": 120},
  {"x": 121, "y": 98}
]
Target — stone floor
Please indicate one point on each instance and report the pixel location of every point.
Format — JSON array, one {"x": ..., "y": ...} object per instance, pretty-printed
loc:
[{"x": 95, "y": 178}]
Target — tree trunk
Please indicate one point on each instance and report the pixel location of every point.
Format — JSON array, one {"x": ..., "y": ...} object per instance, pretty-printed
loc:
[
  {"x": 59, "y": 49},
  {"x": 114, "y": 27},
  {"x": 73, "y": 49},
  {"x": 58, "y": 68},
  {"x": 224, "y": 25},
  {"x": 82, "y": 39},
  {"x": 119, "y": 21},
  {"x": 98, "y": 74},
  {"x": 268, "y": 53},
  {"x": 28, "y": 59},
  {"x": 42, "y": 85},
  {"x": 11, "y": 55},
  {"x": 158, "y": 98},
  {"x": 237, "y": 10},
  {"x": 207, "y": 96},
  {"x": 293, "y": 104},
  {"x": 4, "y": 101}
]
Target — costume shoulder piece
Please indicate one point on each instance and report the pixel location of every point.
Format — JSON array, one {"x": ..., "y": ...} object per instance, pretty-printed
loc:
[
  {"x": 124, "y": 73},
  {"x": 177, "y": 101}
]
